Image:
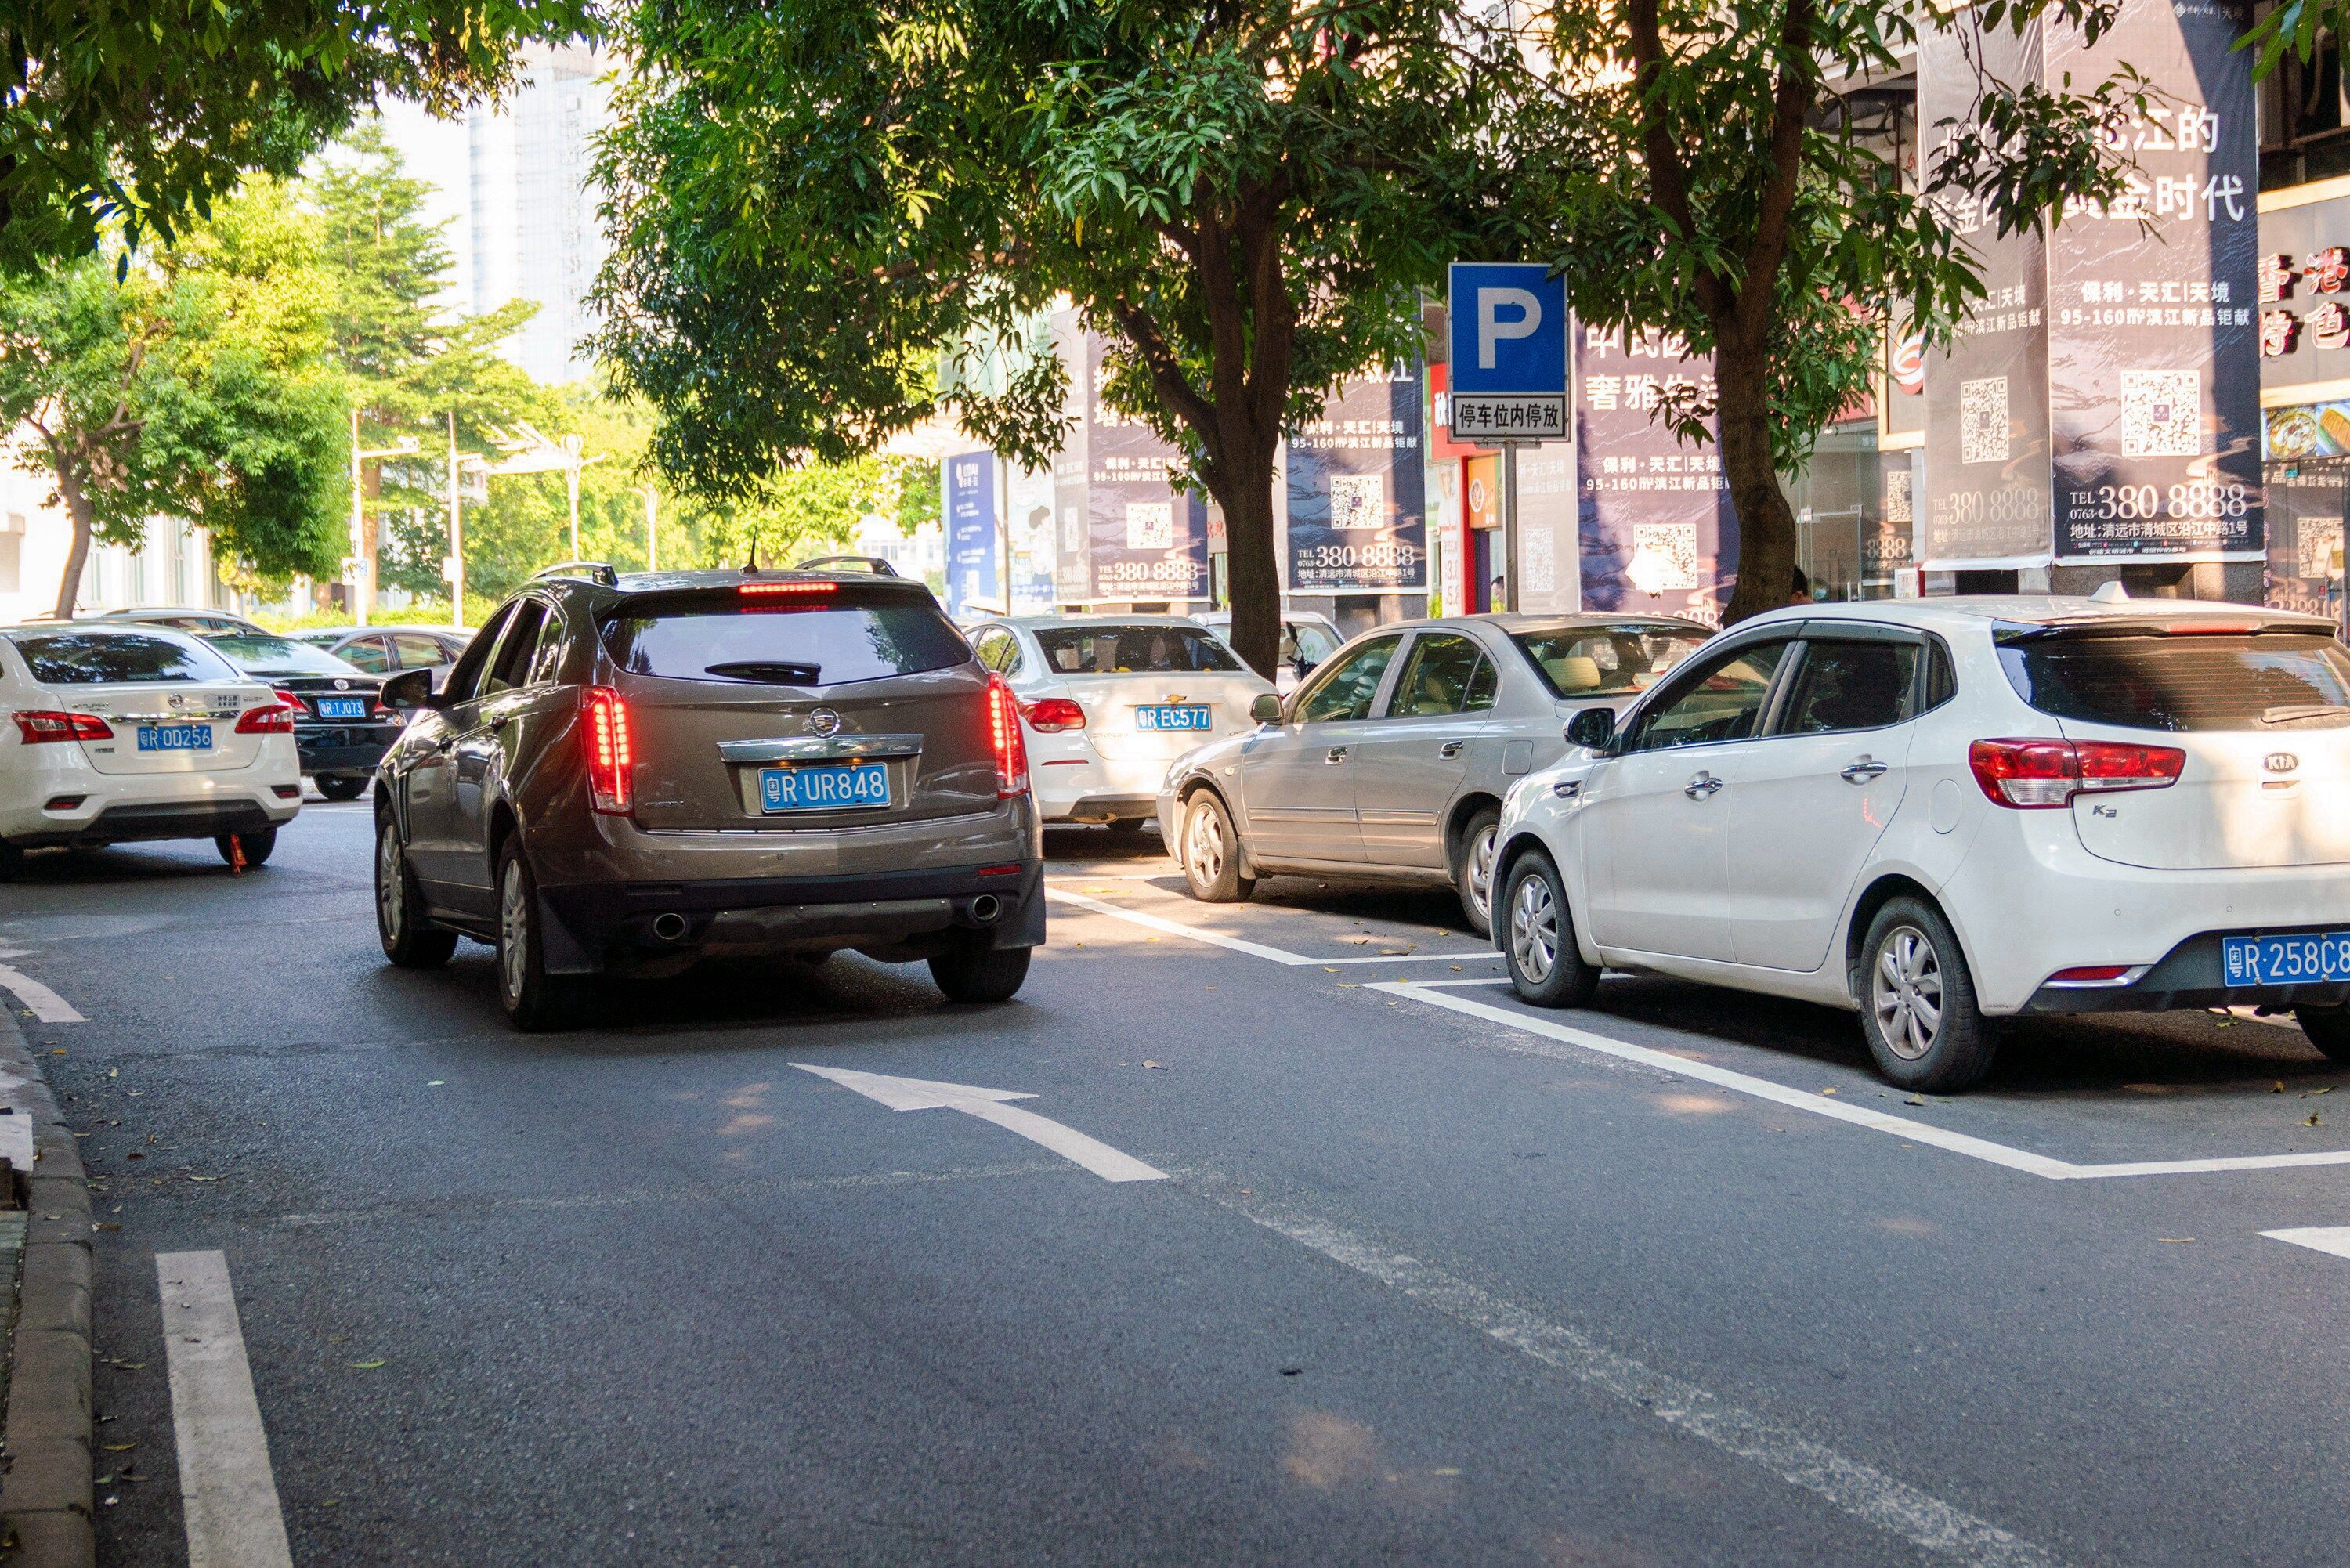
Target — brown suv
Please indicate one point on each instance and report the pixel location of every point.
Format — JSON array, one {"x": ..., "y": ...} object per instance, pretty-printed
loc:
[{"x": 624, "y": 774}]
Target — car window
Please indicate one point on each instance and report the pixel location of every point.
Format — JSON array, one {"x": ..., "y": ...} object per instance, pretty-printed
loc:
[
  {"x": 464, "y": 680},
  {"x": 1606, "y": 661},
  {"x": 1344, "y": 688},
  {"x": 819, "y": 637},
  {"x": 2231, "y": 679},
  {"x": 1134, "y": 650},
  {"x": 1852, "y": 686},
  {"x": 548, "y": 659},
  {"x": 94, "y": 659},
  {"x": 1941, "y": 681},
  {"x": 997, "y": 649},
  {"x": 1721, "y": 699},
  {"x": 413, "y": 650},
  {"x": 1307, "y": 639},
  {"x": 257, "y": 653},
  {"x": 511, "y": 667},
  {"x": 1436, "y": 676},
  {"x": 367, "y": 653}
]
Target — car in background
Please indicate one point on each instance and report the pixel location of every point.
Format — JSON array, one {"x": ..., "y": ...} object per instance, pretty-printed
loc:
[
  {"x": 1308, "y": 638},
  {"x": 123, "y": 733},
  {"x": 202, "y": 622},
  {"x": 1944, "y": 813},
  {"x": 1390, "y": 763},
  {"x": 1108, "y": 701},
  {"x": 625, "y": 775},
  {"x": 339, "y": 728},
  {"x": 389, "y": 649}
]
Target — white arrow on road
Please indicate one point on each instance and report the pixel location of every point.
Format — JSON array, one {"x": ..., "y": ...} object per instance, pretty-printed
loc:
[{"x": 987, "y": 1105}]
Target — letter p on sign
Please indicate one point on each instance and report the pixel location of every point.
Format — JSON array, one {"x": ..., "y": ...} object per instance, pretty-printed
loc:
[
  {"x": 1492, "y": 327},
  {"x": 1508, "y": 332}
]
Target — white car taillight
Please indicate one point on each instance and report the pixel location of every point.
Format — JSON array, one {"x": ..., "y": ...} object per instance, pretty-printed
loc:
[
  {"x": 2040, "y": 775},
  {"x": 40, "y": 726}
]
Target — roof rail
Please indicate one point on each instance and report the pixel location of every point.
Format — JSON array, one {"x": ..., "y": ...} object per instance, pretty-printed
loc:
[
  {"x": 873, "y": 564},
  {"x": 594, "y": 571}
]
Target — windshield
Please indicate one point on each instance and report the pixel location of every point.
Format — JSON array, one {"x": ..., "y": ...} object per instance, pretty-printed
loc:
[
  {"x": 262, "y": 654},
  {"x": 1616, "y": 660},
  {"x": 2236, "y": 680},
  {"x": 98, "y": 658},
  {"x": 1308, "y": 640},
  {"x": 726, "y": 637},
  {"x": 1133, "y": 650}
]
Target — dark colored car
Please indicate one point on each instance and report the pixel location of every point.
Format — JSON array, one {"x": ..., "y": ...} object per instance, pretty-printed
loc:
[
  {"x": 625, "y": 775},
  {"x": 340, "y": 728},
  {"x": 389, "y": 649}
]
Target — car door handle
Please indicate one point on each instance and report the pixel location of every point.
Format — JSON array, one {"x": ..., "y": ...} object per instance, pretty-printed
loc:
[
  {"x": 1863, "y": 771},
  {"x": 1335, "y": 755},
  {"x": 1701, "y": 787},
  {"x": 1451, "y": 748}
]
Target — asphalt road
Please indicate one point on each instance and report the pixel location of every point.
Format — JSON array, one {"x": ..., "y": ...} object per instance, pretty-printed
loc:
[{"x": 1430, "y": 1276}]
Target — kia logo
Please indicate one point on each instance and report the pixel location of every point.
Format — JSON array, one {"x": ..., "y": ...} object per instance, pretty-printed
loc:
[
  {"x": 823, "y": 722},
  {"x": 2281, "y": 762}
]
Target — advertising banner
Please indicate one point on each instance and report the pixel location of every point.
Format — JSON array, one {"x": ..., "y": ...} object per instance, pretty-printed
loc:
[
  {"x": 2301, "y": 271},
  {"x": 1145, "y": 538},
  {"x": 2153, "y": 363},
  {"x": 1357, "y": 491},
  {"x": 1989, "y": 501},
  {"x": 1550, "y": 581},
  {"x": 1655, "y": 532},
  {"x": 1028, "y": 521},
  {"x": 1072, "y": 557},
  {"x": 974, "y": 573}
]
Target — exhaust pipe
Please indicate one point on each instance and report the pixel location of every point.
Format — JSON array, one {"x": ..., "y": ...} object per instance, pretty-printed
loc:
[
  {"x": 984, "y": 908},
  {"x": 669, "y": 927}
]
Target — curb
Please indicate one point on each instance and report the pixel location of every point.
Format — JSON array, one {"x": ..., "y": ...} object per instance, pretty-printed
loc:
[{"x": 45, "y": 1447}]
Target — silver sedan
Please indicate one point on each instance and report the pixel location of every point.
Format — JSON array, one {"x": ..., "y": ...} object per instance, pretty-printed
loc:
[{"x": 1389, "y": 763}]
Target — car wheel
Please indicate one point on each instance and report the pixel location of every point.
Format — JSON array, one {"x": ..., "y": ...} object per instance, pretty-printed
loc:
[
  {"x": 255, "y": 845},
  {"x": 532, "y": 999},
  {"x": 11, "y": 861},
  {"x": 1127, "y": 827},
  {"x": 1472, "y": 872},
  {"x": 343, "y": 786},
  {"x": 1546, "y": 967},
  {"x": 981, "y": 974},
  {"x": 2328, "y": 1029},
  {"x": 1211, "y": 853},
  {"x": 1918, "y": 1001},
  {"x": 410, "y": 941}
]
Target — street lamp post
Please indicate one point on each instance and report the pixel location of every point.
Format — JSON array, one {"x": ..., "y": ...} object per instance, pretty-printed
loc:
[
  {"x": 363, "y": 558},
  {"x": 530, "y": 450}
]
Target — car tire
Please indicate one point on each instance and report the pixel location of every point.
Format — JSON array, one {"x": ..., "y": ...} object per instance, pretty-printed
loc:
[
  {"x": 981, "y": 974},
  {"x": 410, "y": 941},
  {"x": 1538, "y": 943},
  {"x": 1127, "y": 827},
  {"x": 532, "y": 999},
  {"x": 1472, "y": 870},
  {"x": 343, "y": 786},
  {"x": 1917, "y": 1005},
  {"x": 2328, "y": 1029},
  {"x": 11, "y": 861},
  {"x": 258, "y": 845},
  {"x": 1209, "y": 851}
]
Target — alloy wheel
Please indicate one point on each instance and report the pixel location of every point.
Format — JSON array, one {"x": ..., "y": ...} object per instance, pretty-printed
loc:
[
  {"x": 1480, "y": 871},
  {"x": 1534, "y": 929},
  {"x": 391, "y": 879},
  {"x": 514, "y": 931},
  {"x": 1907, "y": 992},
  {"x": 1204, "y": 845}
]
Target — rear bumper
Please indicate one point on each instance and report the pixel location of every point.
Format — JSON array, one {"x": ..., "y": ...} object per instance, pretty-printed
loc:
[
  {"x": 163, "y": 819},
  {"x": 343, "y": 749},
  {"x": 1097, "y": 789},
  {"x": 2191, "y": 975}
]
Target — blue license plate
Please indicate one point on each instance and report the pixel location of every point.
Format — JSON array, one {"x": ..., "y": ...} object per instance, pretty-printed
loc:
[
  {"x": 175, "y": 737},
  {"x": 824, "y": 786},
  {"x": 341, "y": 707},
  {"x": 1168, "y": 716},
  {"x": 2313, "y": 959}
]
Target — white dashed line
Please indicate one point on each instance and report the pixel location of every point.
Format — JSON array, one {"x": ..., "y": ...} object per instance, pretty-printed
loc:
[
  {"x": 226, "y": 1489},
  {"x": 2334, "y": 1239},
  {"x": 1240, "y": 944},
  {"x": 46, "y": 1004}
]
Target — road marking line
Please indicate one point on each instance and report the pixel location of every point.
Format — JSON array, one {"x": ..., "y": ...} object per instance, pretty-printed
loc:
[
  {"x": 46, "y": 1004},
  {"x": 1412, "y": 957},
  {"x": 2334, "y": 1239},
  {"x": 987, "y": 1105},
  {"x": 1867, "y": 1495},
  {"x": 1902, "y": 1127},
  {"x": 226, "y": 1490},
  {"x": 1238, "y": 944}
]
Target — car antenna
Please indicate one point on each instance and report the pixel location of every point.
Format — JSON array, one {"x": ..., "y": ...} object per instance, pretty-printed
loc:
[{"x": 751, "y": 567}]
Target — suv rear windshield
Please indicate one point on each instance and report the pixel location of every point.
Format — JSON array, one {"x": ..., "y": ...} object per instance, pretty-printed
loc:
[
  {"x": 824, "y": 638},
  {"x": 2234, "y": 681},
  {"x": 100, "y": 658},
  {"x": 1607, "y": 661},
  {"x": 1133, "y": 650}
]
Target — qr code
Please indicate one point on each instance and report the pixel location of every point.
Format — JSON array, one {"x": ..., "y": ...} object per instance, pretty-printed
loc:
[
  {"x": 1358, "y": 500},
  {"x": 1149, "y": 525},
  {"x": 1073, "y": 530},
  {"x": 1982, "y": 419},
  {"x": 1897, "y": 496},
  {"x": 2162, "y": 413},
  {"x": 2320, "y": 546},
  {"x": 1671, "y": 552},
  {"x": 1540, "y": 575}
]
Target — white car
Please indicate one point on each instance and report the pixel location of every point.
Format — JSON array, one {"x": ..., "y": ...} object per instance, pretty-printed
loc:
[
  {"x": 1308, "y": 638},
  {"x": 1108, "y": 701},
  {"x": 1947, "y": 812},
  {"x": 121, "y": 731}
]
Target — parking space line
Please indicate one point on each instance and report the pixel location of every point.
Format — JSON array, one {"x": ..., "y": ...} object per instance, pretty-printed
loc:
[
  {"x": 226, "y": 1489},
  {"x": 46, "y": 1004},
  {"x": 2334, "y": 1239},
  {"x": 1240, "y": 944},
  {"x": 1902, "y": 1127}
]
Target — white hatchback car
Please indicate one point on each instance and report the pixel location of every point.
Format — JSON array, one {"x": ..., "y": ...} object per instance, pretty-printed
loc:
[
  {"x": 1947, "y": 812},
  {"x": 119, "y": 731},
  {"x": 1108, "y": 701}
]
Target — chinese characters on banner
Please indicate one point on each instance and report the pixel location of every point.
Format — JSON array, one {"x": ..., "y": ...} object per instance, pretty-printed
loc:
[
  {"x": 973, "y": 575},
  {"x": 2154, "y": 372},
  {"x": 1654, "y": 523},
  {"x": 1145, "y": 538},
  {"x": 1357, "y": 503},
  {"x": 1550, "y": 578}
]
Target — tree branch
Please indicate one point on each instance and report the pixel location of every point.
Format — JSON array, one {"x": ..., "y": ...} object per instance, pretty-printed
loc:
[
  {"x": 1792, "y": 106},
  {"x": 1666, "y": 179}
]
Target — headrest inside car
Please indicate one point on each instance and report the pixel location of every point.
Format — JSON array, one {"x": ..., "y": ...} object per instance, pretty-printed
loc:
[{"x": 1577, "y": 672}]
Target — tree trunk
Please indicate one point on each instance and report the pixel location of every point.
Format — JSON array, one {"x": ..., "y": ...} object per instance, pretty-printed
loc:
[
  {"x": 1243, "y": 487},
  {"x": 84, "y": 516},
  {"x": 1766, "y": 523},
  {"x": 370, "y": 538}
]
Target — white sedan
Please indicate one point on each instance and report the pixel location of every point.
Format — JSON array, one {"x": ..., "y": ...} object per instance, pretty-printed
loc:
[
  {"x": 1108, "y": 701},
  {"x": 1943, "y": 813},
  {"x": 120, "y": 731}
]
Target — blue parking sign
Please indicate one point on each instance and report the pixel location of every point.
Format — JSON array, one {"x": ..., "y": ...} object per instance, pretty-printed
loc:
[{"x": 1509, "y": 328}]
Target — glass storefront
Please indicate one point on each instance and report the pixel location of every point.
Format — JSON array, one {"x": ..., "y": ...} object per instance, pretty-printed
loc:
[{"x": 1853, "y": 515}]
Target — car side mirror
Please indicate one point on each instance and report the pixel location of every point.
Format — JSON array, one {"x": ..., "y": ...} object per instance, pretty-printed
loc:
[
  {"x": 1593, "y": 728},
  {"x": 409, "y": 690},
  {"x": 1266, "y": 709}
]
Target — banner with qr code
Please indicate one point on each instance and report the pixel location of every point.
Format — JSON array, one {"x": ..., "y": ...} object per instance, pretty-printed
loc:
[
  {"x": 1357, "y": 491},
  {"x": 2153, "y": 359},
  {"x": 1654, "y": 527},
  {"x": 1144, "y": 537}
]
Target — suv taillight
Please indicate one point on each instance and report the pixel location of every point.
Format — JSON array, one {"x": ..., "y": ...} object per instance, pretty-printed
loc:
[
  {"x": 1050, "y": 715},
  {"x": 270, "y": 718},
  {"x": 2040, "y": 775},
  {"x": 610, "y": 759},
  {"x": 39, "y": 726},
  {"x": 1004, "y": 738}
]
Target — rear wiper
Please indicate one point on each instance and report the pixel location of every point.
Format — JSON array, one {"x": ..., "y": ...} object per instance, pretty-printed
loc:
[
  {"x": 775, "y": 672},
  {"x": 2286, "y": 713}
]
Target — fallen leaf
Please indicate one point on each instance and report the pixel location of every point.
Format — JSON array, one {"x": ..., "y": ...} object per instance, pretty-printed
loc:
[
  {"x": 434, "y": 1082},
  {"x": 367, "y": 1366},
  {"x": 1154, "y": 1064},
  {"x": 1827, "y": 1091},
  {"x": 2175, "y": 1240},
  {"x": 1327, "y": 970},
  {"x": 119, "y": 1447},
  {"x": 108, "y": 1225},
  {"x": 2313, "y": 1120},
  {"x": 1914, "y": 1100},
  {"x": 2277, "y": 1088},
  {"x": 134, "y": 1154},
  {"x": 192, "y": 1177},
  {"x": 1446, "y": 1470},
  {"x": 59, "y": 1052},
  {"x": 114, "y": 1071},
  {"x": 338, "y": 1338},
  {"x": 2326, "y": 1090}
]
